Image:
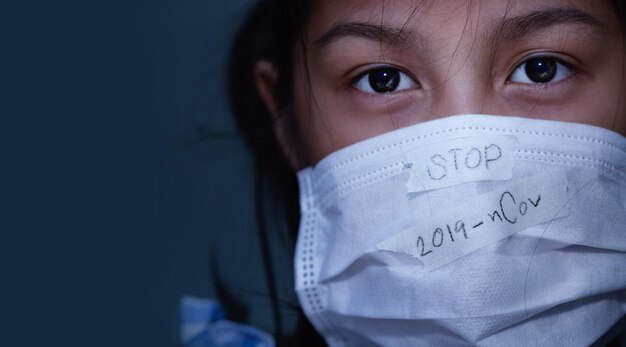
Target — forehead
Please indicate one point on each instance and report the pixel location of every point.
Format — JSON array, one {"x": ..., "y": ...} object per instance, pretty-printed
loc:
[{"x": 442, "y": 17}]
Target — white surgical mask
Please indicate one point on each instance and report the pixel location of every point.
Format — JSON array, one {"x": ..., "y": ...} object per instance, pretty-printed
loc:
[{"x": 466, "y": 230}]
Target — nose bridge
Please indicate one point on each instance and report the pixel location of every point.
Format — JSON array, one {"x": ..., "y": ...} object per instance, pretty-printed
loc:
[
  {"x": 461, "y": 90},
  {"x": 461, "y": 81}
]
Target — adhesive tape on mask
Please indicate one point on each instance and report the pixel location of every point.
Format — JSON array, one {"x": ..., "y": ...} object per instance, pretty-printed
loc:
[{"x": 462, "y": 229}]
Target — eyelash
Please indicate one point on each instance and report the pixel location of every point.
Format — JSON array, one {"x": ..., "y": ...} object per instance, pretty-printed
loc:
[
  {"x": 363, "y": 81},
  {"x": 563, "y": 70}
]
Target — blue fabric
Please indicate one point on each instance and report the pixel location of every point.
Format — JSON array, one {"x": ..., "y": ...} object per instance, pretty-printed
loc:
[{"x": 203, "y": 324}]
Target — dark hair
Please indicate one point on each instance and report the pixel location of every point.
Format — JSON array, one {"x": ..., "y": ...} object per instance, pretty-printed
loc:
[
  {"x": 271, "y": 32},
  {"x": 620, "y": 9}
]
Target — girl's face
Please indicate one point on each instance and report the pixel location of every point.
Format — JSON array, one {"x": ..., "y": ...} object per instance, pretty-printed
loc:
[{"x": 375, "y": 66}]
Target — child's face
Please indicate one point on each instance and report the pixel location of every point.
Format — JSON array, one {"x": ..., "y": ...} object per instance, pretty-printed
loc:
[{"x": 376, "y": 66}]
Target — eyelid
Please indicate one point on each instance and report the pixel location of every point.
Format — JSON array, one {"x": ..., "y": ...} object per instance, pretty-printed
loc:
[
  {"x": 366, "y": 68},
  {"x": 371, "y": 68},
  {"x": 558, "y": 58}
]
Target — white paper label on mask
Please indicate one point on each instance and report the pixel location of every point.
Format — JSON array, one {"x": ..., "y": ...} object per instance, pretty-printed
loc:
[
  {"x": 478, "y": 158},
  {"x": 484, "y": 220}
]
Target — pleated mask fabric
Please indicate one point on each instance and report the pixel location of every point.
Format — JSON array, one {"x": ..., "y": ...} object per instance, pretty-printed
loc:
[{"x": 467, "y": 230}]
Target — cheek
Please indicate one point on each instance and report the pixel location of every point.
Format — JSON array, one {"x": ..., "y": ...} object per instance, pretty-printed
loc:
[
  {"x": 337, "y": 121},
  {"x": 598, "y": 104},
  {"x": 331, "y": 118},
  {"x": 601, "y": 102},
  {"x": 321, "y": 123}
]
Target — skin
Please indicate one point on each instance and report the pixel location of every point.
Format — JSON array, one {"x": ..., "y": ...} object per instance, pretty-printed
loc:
[{"x": 453, "y": 60}]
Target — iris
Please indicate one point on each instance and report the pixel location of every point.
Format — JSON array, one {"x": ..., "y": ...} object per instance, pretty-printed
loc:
[
  {"x": 384, "y": 80},
  {"x": 541, "y": 70}
]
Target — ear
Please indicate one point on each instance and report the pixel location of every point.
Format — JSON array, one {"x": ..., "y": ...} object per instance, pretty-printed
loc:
[{"x": 266, "y": 76}]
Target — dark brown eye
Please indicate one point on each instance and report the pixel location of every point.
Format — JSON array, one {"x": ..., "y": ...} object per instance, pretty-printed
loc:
[
  {"x": 540, "y": 70},
  {"x": 384, "y": 80}
]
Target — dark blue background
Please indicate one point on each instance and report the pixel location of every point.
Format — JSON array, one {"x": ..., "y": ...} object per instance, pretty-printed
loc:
[{"x": 119, "y": 160}]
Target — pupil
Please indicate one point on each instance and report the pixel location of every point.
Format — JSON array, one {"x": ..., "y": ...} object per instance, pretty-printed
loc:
[
  {"x": 541, "y": 70},
  {"x": 384, "y": 80}
]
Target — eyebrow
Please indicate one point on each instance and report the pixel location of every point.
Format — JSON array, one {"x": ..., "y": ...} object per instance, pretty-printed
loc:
[
  {"x": 382, "y": 33},
  {"x": 506, "y": 29},
  {"x": 514, "y": 28}
]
